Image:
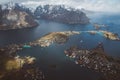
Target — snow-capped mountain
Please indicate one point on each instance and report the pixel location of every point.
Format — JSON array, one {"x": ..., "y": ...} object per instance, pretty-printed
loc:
[
  {"x": 13, "y": 16},
  {"x": 61, "y": 13}
]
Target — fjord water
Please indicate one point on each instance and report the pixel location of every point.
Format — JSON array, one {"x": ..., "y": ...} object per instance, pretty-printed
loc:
[{"x": 52, "y": 60}]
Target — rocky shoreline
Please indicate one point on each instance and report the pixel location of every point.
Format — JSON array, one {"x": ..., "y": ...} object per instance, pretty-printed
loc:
[
  {"x": 63, "y": 37},
  {"x": 15, "y": 67},
  {"x": 12, "y": 63},
  {"x": 106, "y": 34},
  {"x": 97, "y": 60},
  {"x": 53, "y": 37}
]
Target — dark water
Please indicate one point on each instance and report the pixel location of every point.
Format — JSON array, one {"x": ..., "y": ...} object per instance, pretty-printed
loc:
[{"x": 52, "y": 60}]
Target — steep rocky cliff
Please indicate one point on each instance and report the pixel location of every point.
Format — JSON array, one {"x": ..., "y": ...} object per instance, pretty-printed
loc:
[
  {"x": 61, "y": 13},
  {"x": 14, "y": 17}
]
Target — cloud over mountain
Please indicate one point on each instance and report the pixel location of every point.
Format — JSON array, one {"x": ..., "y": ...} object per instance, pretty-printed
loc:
[{"x": 94, "y": 5}]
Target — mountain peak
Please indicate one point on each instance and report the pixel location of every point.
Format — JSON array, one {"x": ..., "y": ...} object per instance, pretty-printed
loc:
[
  {"x": 14, "y": 16},
  {"x": 61, "y": 13}
]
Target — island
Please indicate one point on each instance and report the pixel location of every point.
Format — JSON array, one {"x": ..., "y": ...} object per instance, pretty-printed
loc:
[
  {"x": 23, "y": 67},
  {"x": 106, "y": 34},
  {"x": 63, "y": 37},
  {"x": 12, "y": 66},
  {"x": 53, "y": 37},
  {"x": 59, "y": 38},
  {"x": 98, "y": 26},
  {"x": 96, "y": 59}
]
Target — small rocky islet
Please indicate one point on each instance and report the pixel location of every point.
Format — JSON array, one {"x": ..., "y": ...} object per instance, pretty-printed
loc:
[{"x": 97, "y": 26}]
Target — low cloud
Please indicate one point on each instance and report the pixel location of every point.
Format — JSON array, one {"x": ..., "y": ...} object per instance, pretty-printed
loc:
[{"x": 94, "y": 5}]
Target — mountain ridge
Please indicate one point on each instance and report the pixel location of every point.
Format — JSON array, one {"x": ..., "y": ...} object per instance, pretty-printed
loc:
[
  {"x": 59, "y": 13},
  {"x": 16, "y": 16}
]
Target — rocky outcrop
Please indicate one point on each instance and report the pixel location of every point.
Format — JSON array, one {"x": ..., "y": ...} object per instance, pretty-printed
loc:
[
  {"x": 15, "y": 17},
  {"x": 96, "y": 59},
  {"x": 15, "y": 67},
  {"x": 106, "y": 34},
  {"x": 53, "y": 37},
  {"x": 60, "y": 13}
]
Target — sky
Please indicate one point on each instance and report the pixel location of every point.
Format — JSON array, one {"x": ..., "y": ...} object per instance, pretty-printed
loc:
[{"x": 93, "y": 5}]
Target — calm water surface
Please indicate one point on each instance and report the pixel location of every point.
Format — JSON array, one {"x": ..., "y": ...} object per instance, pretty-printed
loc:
[{"x": 52, "y": 60}]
